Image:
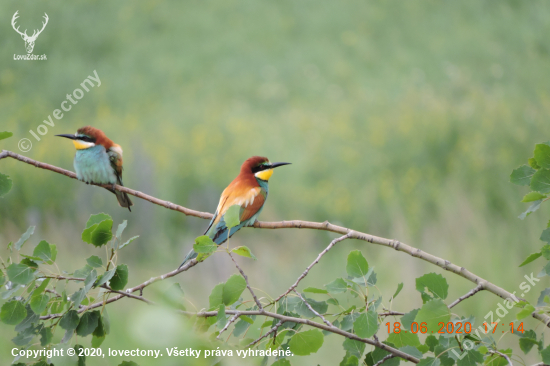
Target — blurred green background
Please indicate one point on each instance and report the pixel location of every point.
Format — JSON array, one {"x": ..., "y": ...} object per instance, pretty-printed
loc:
[{"x": 401, "y": 119}]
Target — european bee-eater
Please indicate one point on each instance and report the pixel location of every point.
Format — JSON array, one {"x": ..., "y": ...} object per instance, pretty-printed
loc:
[
  {"x": 249, "y": 190},
  {"x": 98, "y": 160}
]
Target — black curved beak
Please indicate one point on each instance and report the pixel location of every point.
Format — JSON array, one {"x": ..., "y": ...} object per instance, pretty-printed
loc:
[
  {"x": 72, "y": 137},
  {"x": 275, "y": 165}
]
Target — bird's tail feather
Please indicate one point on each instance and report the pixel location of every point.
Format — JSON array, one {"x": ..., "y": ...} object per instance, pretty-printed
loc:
[
  {"x": 191, "y": 255},
  {"x": 123, "y": 199}
]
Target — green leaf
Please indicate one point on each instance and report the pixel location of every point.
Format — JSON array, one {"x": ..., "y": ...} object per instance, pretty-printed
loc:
[
  {"x": 221, "y": 317},
  {"x": 5, "y": 184},
  {"x": 232, "y": 216},
  {"x": 412, "y": 351},
  {"x": 522, "y": 175},
  {"x": 534, "y": 207},
  {"x": 357, "y": 265},
  {"x": 45, "y": 336},
  {"x": 105, "y": 277},
  {"x": 44, "y": 252},
  {"x": 545, "y": 251},
  {"x": 41, "y": 287},
  {"x": 233, "y": 289},
  {"x": 541, "y": 181},
  {"x": 429, "y": 361},
  {"x": 531, "y": 258},
  {"x": 120, "y": 278},
  {"x": 216, "y": 296},
  {"x": 88, "y": 323},
  {"x": 315, "y": 290},
  {"x": 472, "y": 357},
  {"x": 77, "y": 297},
  {"x": 533, "y": 196},
  {"x": 337, "y": 286},
  {"x": 203, "y": 244},
  {"x": 83, "y": 272},
  {"x": 20, "y": 274},
  {"x": 432, "y": 285},
  {"x": 545, "y": 353},
  {"x": 39, "y": 303},
  {"x": 244, "y": 252},
  {"x": 5, "y": 135},
  {"x": 97, "y": 341},
  {"x": 69, "y": 321},
  {"x": 128, "y": 241},
  {"x": 13, "y": 312},
  {"x": 242, "y": 326},
  {"x": 19, "y": 244},
  {"x": 404, "y": 338},
  {"x": 306, "y": 343},
  {"x": 399, "y": 288},
  {"x": 120, "y": 229},
  {"x": 542, "y": 155},
  {"x": 98, "y": 230},
  {"x": 533, "y": 163},
  {"x": 526, "y": 344},
  {"x": 354, "y": 347},
  {"x": 433, "y": 312},
  {"x": 90, "y": 280},
  {"x": 525, "y": 312},
  {"x": 94, "y": 261},
  {"x": 431, "y": 342},
  {"x": 319, "y": 306},
  {"x": 366, "y": 325}
]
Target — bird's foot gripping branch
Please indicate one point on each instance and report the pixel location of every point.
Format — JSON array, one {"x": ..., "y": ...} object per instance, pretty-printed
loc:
[{"x": 41, "y": 300}]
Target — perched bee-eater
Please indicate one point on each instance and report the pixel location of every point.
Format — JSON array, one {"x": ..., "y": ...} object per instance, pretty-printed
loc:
[
  {"x": 248, "y": 190},
  {"x": 98, "y": 160}
]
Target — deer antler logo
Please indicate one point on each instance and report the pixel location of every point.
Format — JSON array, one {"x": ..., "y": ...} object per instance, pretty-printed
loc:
[{"x": 29, "y": 40}]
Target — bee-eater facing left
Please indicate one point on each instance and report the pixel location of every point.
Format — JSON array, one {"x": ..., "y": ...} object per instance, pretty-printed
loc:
[
  {"x": 249, "y": 191},
  {"x": 98, "y": 160}
]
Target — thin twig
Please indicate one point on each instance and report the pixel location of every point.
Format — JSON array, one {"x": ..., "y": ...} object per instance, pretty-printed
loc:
[
  {"x": 274, "y": 329},
  {"x": 233, "y": 318},
  {"x": 332, "y": 243},
  {"x": 335, "y": 330},
  {"x": 502, "y": 355},
  {"x": 247, "y": 284},
  {"x": 313, "y": 310},
  {"x": 384, "y": 360},
  {"x": 299, "y": 224},
  {"x": 141, "y": 298},
  {"x": 152, "y": 280},
  {"x": 470, "y": 293},
  {"x": 390, "y": 313}
]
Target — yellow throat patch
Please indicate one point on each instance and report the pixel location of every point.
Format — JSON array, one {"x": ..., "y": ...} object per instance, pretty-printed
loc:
[
  {"x": 265, "y": 174},
  {"x": 80, "y": 145}
]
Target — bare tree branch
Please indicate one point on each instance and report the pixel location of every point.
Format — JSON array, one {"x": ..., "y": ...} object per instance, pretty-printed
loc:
[
  {"x": 472, "y": 292},
  {"x": 233, "y": 318},
  {"x": 322, "y": 326},
  {"x": 298, "y": 224},
  {"x": 334, "y": 242},
  {"x": 390, "y": 313}
]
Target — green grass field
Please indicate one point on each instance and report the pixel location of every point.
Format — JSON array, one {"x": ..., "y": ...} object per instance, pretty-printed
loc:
[{"x": 401, "y": 119}]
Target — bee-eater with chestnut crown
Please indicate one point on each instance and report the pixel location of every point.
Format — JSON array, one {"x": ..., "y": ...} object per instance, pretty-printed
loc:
[
  {"x": 98, "y": 160},
  {"x": 248, "y": 190}
]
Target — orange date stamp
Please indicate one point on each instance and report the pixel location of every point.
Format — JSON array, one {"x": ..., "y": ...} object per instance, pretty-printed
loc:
[{"x": 453, "y": 328}]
